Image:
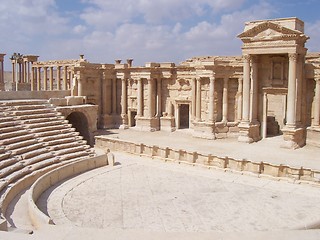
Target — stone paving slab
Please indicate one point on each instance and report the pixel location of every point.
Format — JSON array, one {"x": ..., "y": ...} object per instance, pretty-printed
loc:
[{"x": 149, "y": 195}]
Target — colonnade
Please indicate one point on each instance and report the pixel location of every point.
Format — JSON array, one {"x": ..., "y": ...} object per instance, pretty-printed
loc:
[{"x": 43, "y": 78}]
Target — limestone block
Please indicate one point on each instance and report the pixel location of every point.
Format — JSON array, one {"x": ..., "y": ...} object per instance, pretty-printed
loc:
[
  {"x": 251, "y": 166},
  {"x": 75, "y": 100},
  {"x": 218, "y": 162},
  {"x": 234, "y": 164},
  {"x": 58, "y": 101},
  {"x": 270, "y": 169}
]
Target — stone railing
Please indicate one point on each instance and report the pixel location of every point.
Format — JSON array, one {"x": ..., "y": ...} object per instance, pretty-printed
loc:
[{"x": 242, "y": 166}]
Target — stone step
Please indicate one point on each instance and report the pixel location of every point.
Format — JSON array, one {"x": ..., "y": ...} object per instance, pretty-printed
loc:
[
  {"x": 4, "y": 156},
  {"x": 29, "y": 148},
  {"x": 14, "y": 176},
  {"x": 49, "y": 134},
  {"x": 7, "y": 162},
  {"x": 36, "y": 152},
  {"x": 10, "y": 169},
  {"x": 63, "y": 140},
  {"x": 12, "y": 134},
  {"x": 50, "y": 128},
  {"x": 22, "y": 144},
  {"x": 38, "y": 158},
  {"x": 16, "y": 139},
  {"x": 37, "y": 116},
  {"x": 31, "y": 107},
  {"x": 74, "y": 155},
  {"x": 25, "y": 102},
  {"x": 7, "y": 124},
  {"x": 71, "y": 150},
  {"x": 32, "y": 112},
  {"x": 41, "y": 120},
  {"x": 46, "y": 124},
  {"x": 6, "y": 119},
  {"x": 67, "y": 145},
  {"x": 45, "y": 163}
]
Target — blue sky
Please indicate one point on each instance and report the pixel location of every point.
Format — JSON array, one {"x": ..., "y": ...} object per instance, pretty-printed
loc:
[{"x": 145, "y": 30}]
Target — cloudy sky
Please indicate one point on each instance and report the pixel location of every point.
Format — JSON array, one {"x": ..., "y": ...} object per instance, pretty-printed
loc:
[{"x": 145, "y": 30}]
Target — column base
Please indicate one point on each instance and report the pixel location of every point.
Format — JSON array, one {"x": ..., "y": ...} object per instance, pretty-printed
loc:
[
  {"x": 204, "y": 130},
  {"x": 167, "y": 124},
  {"x": 293, "y": 137},
  {"x": 249, "y": 132},
  {"x": 313, "y": 136},
  {"x": 147, "y": 124}
]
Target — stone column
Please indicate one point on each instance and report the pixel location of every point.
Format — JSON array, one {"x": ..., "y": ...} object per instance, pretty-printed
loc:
[
  {"x": 114, "y": 96},
  {"x": 246, "y": 89},
  {"x": 225, "y": 100},
  {"x": 58, "y": 77},
  {"x": 211, "y": 100},
  {"x": 32, "y": 78},
  {"x": 65, "y": 76},
  {"x": 316, "y": 112},
  {"x": 25, "y": 71},
  {"x": 140, "y": 98},
  {"x": 123, "y": 96},
  {"x": 198, "y": 97},
  {"x": 265, "y": 113},
  {"x": 150, "y": 99},
  {"x": 193, "y": 101},
  {"x": 2, "y": 84},
  {"x": 80, "y": 87},
  {"x": 159, "y": 97},
  {"x": 291, "y": 100},
  {"x": 13, "y": 72},
  {"x": 51, "y": 78},
  {"x": 39, "y": 78},
  {"x": 45, "y": 78},
  {"x": 254, "y": 90},
  {"x": 239, "y": 99}
]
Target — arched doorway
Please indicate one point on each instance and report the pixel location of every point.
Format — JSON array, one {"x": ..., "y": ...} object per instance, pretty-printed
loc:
[{"x": 80, "y": 122}]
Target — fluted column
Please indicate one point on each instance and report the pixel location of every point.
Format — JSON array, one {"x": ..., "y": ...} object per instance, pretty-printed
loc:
[
  {"x": 140, "y": 98},
  {"x": 193, "y": 101},
  {"x": 246, "y": 89},
  {"x": 45, "y": 78},
  {"x": 114, "y": 96},
  {"x": 316, "y": 112},
  {"x": 225, "y": 100},
  {"x": 32, "y": 78},
  {"x": 123, "y": 96},
  {"x": 39, "y": 78},
  {"x": 211, "y": 99},
  {"x": 291, "y": 100},
  {"x": 198, "y": 97},
  {"x": 65, "y": 76},
  {"x": 150, "y": 99},
  {"x": 58, "y": 77},
  {"x": 239, "y": 99},
  {"x": 159, "y": 97},
  {"x": 13, "y": 72},
  {"x": 51, "y": 78},
  {"x": 254, "y": 90}
]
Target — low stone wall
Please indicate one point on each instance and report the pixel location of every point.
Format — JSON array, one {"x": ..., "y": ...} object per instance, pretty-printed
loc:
[
  {"x": 243, "y": 166},
  {"x": 37, "y": 217},
  {"x": 15, "y": 95}
]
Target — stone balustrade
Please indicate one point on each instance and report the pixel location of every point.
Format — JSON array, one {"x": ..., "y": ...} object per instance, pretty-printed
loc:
[{"x": 242, "y": 166}]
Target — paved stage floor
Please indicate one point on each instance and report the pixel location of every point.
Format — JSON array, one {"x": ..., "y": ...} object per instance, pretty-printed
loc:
[{"x": 151, "y": 195}]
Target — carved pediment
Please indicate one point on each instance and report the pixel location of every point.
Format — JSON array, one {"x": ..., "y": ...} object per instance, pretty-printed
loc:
[{"x": 269, "y": 31}]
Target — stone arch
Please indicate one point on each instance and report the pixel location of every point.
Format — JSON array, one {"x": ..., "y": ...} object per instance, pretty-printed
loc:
[{"x": 80, "y": 122}]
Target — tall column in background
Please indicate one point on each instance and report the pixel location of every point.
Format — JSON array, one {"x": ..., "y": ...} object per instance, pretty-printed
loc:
[
  {"x": 65, "y": 76},
  {"x": 291, "y": 99},
  {"x": 114, "y": 96},
  {"x": 316, "y": 112},
  {"x": 51, "y": 78},
  {"x": 246, "y": 89},
  {"x": 58, "y": 77},
  {"x": 225, "y": 100},
  {"x": 39, "y": 78},
  {"x": 239, "y": 99},
  {"x": 211, "y": 100},
  {"x": 254, "y": 90},
  {"x": 140, "y": 98},
  {"x": 159, "y": 97},
  {"x": 198, "y": 97},
  {"x": 45, "y": 78},
  {"x": 150, "y": 98}
]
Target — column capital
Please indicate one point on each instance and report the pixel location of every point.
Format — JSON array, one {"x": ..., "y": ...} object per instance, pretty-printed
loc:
[
  {"x": 317, "y": 79},
  {"x": 293, "y": 56},
  {"x": 246, "y": 57}
]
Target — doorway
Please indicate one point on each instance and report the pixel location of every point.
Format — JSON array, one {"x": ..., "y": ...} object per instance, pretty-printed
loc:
[
  {"x": 184, "y": 116},
  {"x": 132, "y": 118}
]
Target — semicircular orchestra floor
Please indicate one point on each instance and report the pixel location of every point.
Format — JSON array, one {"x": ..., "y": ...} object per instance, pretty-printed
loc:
[{"x": 152, "y": 195}]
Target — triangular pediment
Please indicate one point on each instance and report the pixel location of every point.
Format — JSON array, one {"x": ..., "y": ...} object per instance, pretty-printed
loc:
[{"x": 269, "y": 31}]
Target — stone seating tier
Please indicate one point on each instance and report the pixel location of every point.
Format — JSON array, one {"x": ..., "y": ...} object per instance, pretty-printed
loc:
[{"x": 34, "y": 139}]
